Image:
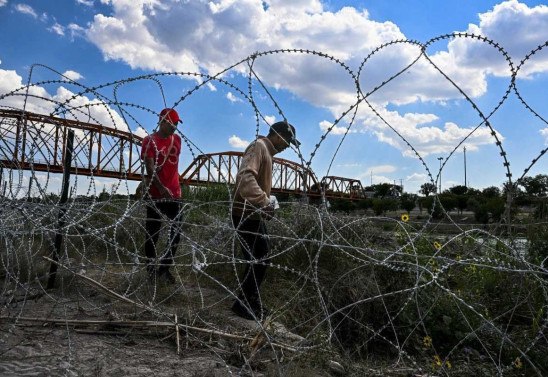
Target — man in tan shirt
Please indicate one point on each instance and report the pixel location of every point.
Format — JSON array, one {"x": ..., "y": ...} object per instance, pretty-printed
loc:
[{"x": 250, "y": 208}]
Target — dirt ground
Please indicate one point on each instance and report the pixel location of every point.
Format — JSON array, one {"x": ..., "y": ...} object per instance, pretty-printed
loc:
[{"x": 53, "y": 333}]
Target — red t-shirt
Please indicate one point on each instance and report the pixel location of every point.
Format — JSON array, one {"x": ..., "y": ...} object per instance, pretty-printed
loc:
[{"x": 167, "y": 166}]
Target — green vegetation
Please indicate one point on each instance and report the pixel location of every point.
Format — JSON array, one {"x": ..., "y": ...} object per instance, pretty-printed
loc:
[{"x": 368, "y": 290}]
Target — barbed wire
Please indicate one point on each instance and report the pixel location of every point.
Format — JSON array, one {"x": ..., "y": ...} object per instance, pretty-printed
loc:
[{"x": 365, "y": 293}]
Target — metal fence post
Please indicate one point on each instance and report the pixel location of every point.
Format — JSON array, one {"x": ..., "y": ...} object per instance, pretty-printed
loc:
[{"x": 62, "y": 209}]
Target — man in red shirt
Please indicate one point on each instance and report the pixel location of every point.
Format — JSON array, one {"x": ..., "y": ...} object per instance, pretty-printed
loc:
[{"x": 160, "y": 153}]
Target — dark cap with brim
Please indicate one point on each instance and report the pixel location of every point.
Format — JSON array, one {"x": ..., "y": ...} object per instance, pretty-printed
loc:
[{"x": 285, "y": 130}]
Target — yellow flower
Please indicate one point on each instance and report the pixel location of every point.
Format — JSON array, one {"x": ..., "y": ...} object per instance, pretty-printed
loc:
[
  {"x": 405, "y": 217},
  {"x": 437, "y": 245},
  {"x": 517, "y": 363},
  {"x": 427, "y": 341},
  {"x": 448, "y": 364},
  {"x": 437, "y": 360},
  {"x": 472, "y": 269}
]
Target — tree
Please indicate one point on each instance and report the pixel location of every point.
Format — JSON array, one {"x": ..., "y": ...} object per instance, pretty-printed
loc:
[
  {"x": 433, "y": 207},
  {"x": 408, "y": 201},
  {"x": 491, "y": 192},
  {"x": 448, "y": 201},
  {"x": 428, "y": 188},
  {"x": 462, "y": 202},
  {"x": 384, "y": 189},
  {"x": 536, "y": 186},
  {"x": 458, "y": 190}
]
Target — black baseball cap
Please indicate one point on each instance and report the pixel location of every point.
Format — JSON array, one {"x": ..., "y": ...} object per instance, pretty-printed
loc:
[{"x": 285, "y": 130}]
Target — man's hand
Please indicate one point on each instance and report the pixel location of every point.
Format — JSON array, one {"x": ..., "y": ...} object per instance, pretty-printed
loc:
[
  {"x": 267, "y": 212},
  {"x": 165, "y": 192}
]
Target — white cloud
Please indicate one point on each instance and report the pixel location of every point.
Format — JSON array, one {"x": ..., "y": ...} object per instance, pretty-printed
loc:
[
  {"x": 210, "y": 36},
  {"x": 215, "y": 35},
  {"x": 57, "y": 29},
  {"x": 42, "y": 102},
  {"x": 423, "y": 133},
  {"x": 517, "y": 27},
  {"x": 417, "y": 177},
  {"x": 75, "y": 30},
  {"x": 544, "y": 132},
  {"x": 26, "y": 9},
  {"x": 140, "y": 131},
  {"x": 238, "y": 143},
  {"x": 10, "y": 81},
  {"x": 336, "y": 130},
  {"x": 376, "y": 179},
  {"x": 232, "y": 98},
  {"x": 73, "y": 75},
  {"x": 270, "y": 119},
  {"x": 375, "y": 173},
  {"x": 93, "y": 110},
  {"x": 3, "y": 2},
  {"x": 88, "y": 3}
]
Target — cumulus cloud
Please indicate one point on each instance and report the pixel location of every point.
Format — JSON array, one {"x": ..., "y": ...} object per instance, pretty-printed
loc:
[
  {"x": 140, "y": 131},
  {"x": 73, "y": 75},
  {"x": 208, "y": 36},
  {"x": 374, "y": 173},
  {"x": 544, "y": 132},
  {"x": 87, "y": 3},
  {"x": 238, "y": 143},
  {"x": 376, "y": 179},
  {"x": 232, "y": 98},
  {"x": 417, "y": 177},
  {"x": 90, "y": 110},
  {"x": 10, "y": 81},
  {"x": 40, "y": 101},
  {"x": 3, "y": 2},
  {"x": 75, "y": 30},
  {"x": 270, "y": 119},
  {"x": 424, "y": 132},
  {"x": 335, "y": 130},
  {"x": 26, "y": 9},
  {"x": 57, "y": 29},
  {"x": 213, "y": 35},
  {"x": 518, "y": 27}
]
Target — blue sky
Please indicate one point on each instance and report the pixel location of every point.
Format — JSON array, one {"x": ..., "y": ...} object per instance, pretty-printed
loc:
[{"x": 100, "y": 41}]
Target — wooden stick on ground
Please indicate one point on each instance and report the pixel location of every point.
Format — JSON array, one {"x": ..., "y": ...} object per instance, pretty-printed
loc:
[
  {"x": 139, "y": 323},
  {"x": 177, "y": 337}
]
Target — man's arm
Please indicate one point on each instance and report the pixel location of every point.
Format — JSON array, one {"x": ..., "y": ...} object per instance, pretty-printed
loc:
[
  {"x": 249, "y": 188},
  {"x": 150, "y": 166}
]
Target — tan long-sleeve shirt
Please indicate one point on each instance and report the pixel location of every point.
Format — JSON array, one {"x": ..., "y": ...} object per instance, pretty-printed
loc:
[{"x": 254, "y": 178}]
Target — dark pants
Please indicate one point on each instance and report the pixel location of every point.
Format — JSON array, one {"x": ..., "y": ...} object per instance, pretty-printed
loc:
[
  {"x": 255, "y": 245},
  {"x": 153, "y": 224}
]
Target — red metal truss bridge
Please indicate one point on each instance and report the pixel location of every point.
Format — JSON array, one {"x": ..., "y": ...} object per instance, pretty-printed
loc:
[{"x": 30, "y": 141}]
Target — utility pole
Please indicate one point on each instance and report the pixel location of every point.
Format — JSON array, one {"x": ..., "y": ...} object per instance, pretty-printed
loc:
[
  {"x": 440, "y": 159},
  {"x": 465, "y": 185},
  {"x": 371, "y": 177}
]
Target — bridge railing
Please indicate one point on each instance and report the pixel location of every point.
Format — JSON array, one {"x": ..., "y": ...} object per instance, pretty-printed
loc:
[{"x": 32, "y": 141}]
